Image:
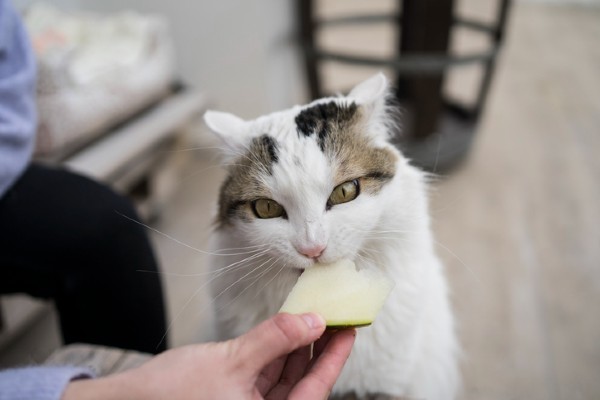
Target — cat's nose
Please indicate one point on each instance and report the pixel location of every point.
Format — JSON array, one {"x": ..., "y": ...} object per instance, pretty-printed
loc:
[{"x": 312, "y": 251}]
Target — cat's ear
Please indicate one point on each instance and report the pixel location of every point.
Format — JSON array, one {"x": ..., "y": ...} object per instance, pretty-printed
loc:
[
  {"x": 371, "y": 91},
  {"x": 372, "y": 96},
  {"x": 230, "y": 129}
]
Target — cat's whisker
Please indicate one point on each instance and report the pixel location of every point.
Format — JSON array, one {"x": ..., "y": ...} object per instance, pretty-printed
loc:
[
  {"x": 372, "y": 231},
  {"x": 240, "y": 262},
  {"x": 164, "y": 234},
  {"x": 223, "y": 252},
  {"x": 175, "y": 274},
  {"x": 402, "y": 239},
  {"x": 230, "y": 267},
  {"x": 241, "y": 253},
  {"x": 219, "y": 272},
  {"x": 210, "y": 253},
  {"x": 243, "y": 248},
  {"x": 407, "y": 240},
  {"x": 393, "y": 231},
  {"x": 471, "y": 270},
  {"x": 224, "y": 269},
  {"x": 270, "y": 280},
  {"x": 432, "y": 178},
  {"x": 239, "y": 280},
  {"x": 263, "y": 272},
  {"x": 266, "y": 270},
  {"x": 370, "y": 251},
  {"x": 363, "y": 258}
]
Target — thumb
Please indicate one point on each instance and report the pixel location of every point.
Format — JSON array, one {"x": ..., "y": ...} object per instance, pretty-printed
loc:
[{"x": 276, "y": 337}]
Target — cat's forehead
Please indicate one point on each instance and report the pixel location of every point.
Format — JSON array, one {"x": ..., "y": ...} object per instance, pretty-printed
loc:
[
  {"x": 325, "y": 140},
  {"x": 294, "y": 149},
  {"x": 333, "y": 130},
  {"x": 303, "y": 152}
]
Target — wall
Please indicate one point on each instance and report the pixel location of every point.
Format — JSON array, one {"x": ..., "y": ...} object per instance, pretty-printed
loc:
[{"x": 242, "y": 52}]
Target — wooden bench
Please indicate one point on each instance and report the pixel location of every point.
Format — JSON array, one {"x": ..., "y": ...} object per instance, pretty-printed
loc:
[{"x": 102, "y": 360}]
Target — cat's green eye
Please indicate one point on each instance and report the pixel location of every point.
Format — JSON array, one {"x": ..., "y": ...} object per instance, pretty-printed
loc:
[
  {"x": 267, "y": 208},
  {"x": 344, "y": 193}
]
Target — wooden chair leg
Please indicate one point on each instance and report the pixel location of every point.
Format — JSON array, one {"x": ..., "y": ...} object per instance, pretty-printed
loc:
[
  {"x": 307, "y": 39},
  {"x": 425, "y": 29}
]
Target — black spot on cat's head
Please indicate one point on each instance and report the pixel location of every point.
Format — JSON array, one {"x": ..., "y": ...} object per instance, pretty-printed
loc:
[
  {"x": 322, "y": 118},
  {"x": 265, "y": 150},
  {"x": 271, "y": 146}
]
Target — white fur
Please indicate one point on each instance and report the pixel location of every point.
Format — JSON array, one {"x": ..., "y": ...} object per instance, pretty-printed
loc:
[{"x": 411, "y": 349}]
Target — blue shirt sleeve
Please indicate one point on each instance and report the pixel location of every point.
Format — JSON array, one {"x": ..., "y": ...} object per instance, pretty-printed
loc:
[
  {"x": 18, "y": 119},
  {"x": 38, "y": 383}
]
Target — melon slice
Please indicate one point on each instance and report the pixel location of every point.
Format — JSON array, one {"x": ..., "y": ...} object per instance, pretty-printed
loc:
[{"x": 340, "y": 293}]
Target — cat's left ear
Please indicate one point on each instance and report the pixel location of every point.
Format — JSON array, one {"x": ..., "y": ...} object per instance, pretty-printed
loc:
[
  {"x": 232, "y": 130},
  {"x": 371, "y": 95}
]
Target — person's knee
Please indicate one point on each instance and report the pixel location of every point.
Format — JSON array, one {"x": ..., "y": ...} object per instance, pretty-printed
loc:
[{"x": 110, "y": 228}]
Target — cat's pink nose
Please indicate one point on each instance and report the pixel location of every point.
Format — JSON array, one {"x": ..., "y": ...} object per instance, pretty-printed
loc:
[{"x": 313, "y": 251}]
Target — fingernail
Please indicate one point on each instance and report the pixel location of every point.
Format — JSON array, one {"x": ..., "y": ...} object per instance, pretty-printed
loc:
[{"x": 313, "y": 321}]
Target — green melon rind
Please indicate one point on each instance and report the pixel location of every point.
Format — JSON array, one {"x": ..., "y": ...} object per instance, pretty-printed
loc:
[{"x": 335, "y": 326}]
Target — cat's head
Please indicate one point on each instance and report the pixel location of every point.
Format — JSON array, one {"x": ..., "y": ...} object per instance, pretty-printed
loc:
[{"x": 310, "y": 181}]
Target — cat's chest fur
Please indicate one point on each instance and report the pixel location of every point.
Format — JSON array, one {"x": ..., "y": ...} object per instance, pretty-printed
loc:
[{"x": 318, "y": 183}]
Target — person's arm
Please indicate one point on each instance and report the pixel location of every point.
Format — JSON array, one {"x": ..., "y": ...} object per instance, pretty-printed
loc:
[
  {"x": 38, "y": 383},
  {"x": 18, "y": 120},
  {"x": 273, "y": 360}
]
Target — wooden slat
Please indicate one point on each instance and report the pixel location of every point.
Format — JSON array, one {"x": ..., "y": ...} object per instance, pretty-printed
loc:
[
  {"x": 19, "y": 313},
  {"x": 131, "y": 360},
  {"x": 110, "y": 155},
  {"x": 102, "y": 360}
]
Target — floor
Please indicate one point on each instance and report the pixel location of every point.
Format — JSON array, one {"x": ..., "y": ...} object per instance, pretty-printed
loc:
[{"x": 518, "y": 225}]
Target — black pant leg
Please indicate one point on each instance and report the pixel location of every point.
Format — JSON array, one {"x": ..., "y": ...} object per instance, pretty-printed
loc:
[{"x": 64, "y": 236}]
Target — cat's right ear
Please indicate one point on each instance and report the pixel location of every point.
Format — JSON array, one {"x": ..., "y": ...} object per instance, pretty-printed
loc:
[
  {"x": 370, "y": 91},
  {"x": 229, "y": 128}
]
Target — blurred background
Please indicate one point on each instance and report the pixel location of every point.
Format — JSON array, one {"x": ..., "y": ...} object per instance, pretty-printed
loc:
[{"x": 501, "y": 102}]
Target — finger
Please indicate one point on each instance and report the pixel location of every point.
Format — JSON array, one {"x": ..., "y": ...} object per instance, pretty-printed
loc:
[
  {"x": 321, "y": 343},
  {"x": 270, "y": 375},
  {"x": 275, "y": 337},
  {"x": 294, "y": 370},
  {"x": 320, "y": 379}
]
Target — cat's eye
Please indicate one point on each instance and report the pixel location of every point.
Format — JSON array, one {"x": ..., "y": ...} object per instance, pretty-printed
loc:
[
  {"x": 267, "y": 208},
  {"x": 344, "y": 193}
]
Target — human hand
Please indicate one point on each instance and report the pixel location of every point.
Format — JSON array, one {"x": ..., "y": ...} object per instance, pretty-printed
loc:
[{"x": 271, "y": 361}]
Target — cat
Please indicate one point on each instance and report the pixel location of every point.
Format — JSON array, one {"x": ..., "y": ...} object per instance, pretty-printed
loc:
[{"x": 322, "y": 182}]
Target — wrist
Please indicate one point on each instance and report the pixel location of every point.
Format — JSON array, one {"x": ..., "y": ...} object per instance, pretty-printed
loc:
[{"x": 110, "y": 387}]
